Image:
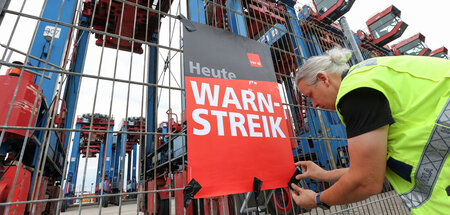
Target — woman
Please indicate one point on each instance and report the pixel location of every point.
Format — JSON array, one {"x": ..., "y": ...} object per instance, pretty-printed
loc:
[{"x": 397, "y": 114}]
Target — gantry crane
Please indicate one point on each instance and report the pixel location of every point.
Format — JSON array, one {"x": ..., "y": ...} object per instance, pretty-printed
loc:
[
  {"x": 384, "y": 27},
  {"x": 440, "y": 52},
  {"x": 414, "y": 45}
]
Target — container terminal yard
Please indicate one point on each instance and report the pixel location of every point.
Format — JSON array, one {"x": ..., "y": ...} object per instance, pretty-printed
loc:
[{"x": 96, "y": 107}]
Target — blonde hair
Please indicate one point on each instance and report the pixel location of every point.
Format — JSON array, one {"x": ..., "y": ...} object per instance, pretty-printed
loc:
[{"x": 333, "y": 61}]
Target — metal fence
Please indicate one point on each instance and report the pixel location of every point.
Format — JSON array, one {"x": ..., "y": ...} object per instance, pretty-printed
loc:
[{"x": 93, "y": 105}]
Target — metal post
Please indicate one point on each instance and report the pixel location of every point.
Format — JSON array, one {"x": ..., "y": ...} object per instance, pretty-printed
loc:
[
  {"x": 108, "y": 161},
  {"x": 99, "y": 167},
  {"x": 238, "y": 24},
  {"x": 113, "y": 161},
  {"x": 328, "y": 147},
  {"x": 73, "y": 82},
  {"x": 129, "y": 171},
  {"x": 105, "y": 181},
  {"x": 297, "y": 36},
  {"x": 133, "y": 169},
  {"x": 115, "y": 166},
  {"x": 348, "y": 33},
  {"x": 152, "y": 93},
  {"x": 298, "y": 43},
  {"x": 53, "y": 37},
  {"x": 49, "y": 45},
  {"x": 72, "y": 174},
  {"x": 196, "y": 13}
]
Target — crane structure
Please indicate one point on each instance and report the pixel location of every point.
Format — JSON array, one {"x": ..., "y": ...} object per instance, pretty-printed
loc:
[
  {"x": 118, "y": 18},
  {"x": 89, "y": 145},
  {"x": 384, "y": 27},
  {"x": 414, "y": 45},
  {"x": 441, "y": 52},
  {"x": 39, "y": 96},
  {"x": 328, "y": 11},
  {"x": 133, "y": 124},
  {"x": 33, "y": 168}
]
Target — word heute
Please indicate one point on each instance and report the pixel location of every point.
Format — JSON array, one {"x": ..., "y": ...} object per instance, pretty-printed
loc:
[
  {"x": 247, "y": 124},
  {"x": 210, "y": 72}
]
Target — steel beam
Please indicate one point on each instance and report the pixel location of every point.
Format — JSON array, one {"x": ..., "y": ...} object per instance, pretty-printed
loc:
[
  {"x": 152, "y": 93},
  {"x": 49, "y": 45},
  {"x": 73, "y": 81},
  {"x": 99, "y": 167},
  {"x": 72, "y": 174},
  {"x": 129, "y": 171},
  {"x": 108, "y": 161},
  {"x": 133, "y": 168},
  {"x": 50, "y": 41},
  {"x": 117, "y": 159},
  {"x": 236, "y": 20},
  {"x": 297, "y": 37},
  {"x": 349, "y": 35},
  {"x": 197, "y": 11}
]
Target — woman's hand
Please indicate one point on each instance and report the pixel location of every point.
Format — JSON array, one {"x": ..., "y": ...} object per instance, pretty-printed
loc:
[
  {"x": 304, "y": 198},
  {"x": 311, "y": 171}
]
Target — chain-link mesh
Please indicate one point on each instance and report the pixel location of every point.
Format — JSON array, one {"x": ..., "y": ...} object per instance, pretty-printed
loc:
[{"x": 93, "y": 105}]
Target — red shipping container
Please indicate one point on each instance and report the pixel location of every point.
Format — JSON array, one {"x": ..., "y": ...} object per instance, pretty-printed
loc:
[
  {"x": 23, "y": 103},
  {"x": 20, "y": 191}
]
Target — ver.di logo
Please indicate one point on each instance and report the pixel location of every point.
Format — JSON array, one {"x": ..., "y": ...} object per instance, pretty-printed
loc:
[{"x": 254, "y": 60}]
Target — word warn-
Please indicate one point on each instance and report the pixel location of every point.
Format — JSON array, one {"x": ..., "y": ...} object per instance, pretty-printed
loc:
[{"x": 248, "y": 124}]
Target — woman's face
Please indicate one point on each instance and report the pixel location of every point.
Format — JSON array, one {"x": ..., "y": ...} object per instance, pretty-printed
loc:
[{"x": 323, "y": 94}]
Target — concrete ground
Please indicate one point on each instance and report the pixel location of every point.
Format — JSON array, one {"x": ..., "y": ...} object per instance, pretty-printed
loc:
[
  {"x": 385, "y": 203},
  {"x": 128, "y": 208}
]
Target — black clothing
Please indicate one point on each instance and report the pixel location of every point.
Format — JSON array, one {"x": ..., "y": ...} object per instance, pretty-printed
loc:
[{"x": 364, "y": 109}]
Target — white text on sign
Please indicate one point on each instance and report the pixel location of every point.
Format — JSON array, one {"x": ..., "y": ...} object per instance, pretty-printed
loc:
[{"x": 256, "y": 124}]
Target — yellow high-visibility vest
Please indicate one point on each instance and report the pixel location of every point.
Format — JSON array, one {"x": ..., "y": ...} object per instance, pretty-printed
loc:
[{"x": 418, "y": 91}]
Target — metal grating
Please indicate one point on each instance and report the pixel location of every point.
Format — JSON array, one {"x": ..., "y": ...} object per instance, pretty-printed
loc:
[{"x": 104, "y": 129}]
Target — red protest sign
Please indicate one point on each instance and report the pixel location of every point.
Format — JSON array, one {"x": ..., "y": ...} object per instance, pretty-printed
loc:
[
  {"x": 236, "y": 131},
  {"x": 236, "y": 127}
]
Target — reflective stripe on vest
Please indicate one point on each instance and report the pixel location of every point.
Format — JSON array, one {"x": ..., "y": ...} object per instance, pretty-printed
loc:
[
  {"x": 417, "y": 91},
  {"x": 370, "y": 62},
  {"x": 433, "y": 157}
]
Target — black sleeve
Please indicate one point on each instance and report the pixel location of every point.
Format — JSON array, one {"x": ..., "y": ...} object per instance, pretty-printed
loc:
[{"x": 364, "y": 110}]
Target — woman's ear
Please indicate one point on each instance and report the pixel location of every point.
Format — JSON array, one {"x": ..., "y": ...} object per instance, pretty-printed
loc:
[{"x": 324, "y": 78}]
